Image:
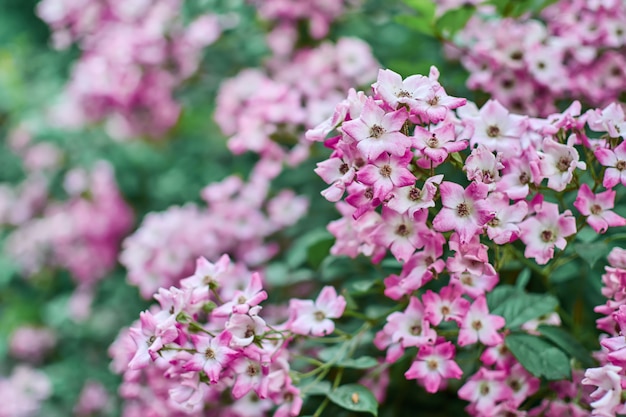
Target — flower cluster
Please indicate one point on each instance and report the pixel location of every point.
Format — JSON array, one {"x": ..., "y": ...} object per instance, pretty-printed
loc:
[
  {"x": 208, "y": 342},
  {"x": 134, "y": 54},
  {"x": 264, "y": 111},
  {"x": 610, "y": 379},
  {"x": 575, "y": 50},
  {"x": 393, "y": 156},
  {"x": 286, "y": 15},
  {"x": 81, "y": 234},
  {"x": 31, "y": 344},
  {"x": 237, "y": 220},
  {"x": 23, "y": 392}
]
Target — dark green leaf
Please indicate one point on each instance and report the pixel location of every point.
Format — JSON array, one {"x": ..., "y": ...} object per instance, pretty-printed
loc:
[
  {"x": 522, "y": 307},
  {"x": 299, "y": 251},
  {"x": 523, "y": 278},
  {"x": 592, "y": 252},
  {"x": 568, "y": 343},
  {"x": 355, "y": 397},
  {"x": 499, "y": 296},
  {"x": 539, "y": 357},
  {"x": 332, "y": 354},
  {"x": 318, "y": 388}
]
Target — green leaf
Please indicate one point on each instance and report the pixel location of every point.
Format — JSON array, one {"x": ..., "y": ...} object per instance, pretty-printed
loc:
[
  {"x": 567, "y": 342},
  {"x": 521, "y": 307},
  {"x": 523, "y": 278},
  {"x": 592, "y": 252},
  {"x": 364, "y": 362},
  {"x": 423, "y": 22},
  {"x": 318, "y": 388},
  {"x": 361, "y": 286},
  {"x": 565, "y": 272},
  {"x": 355, "y": 397},
  {"x": 499, "y": 296},
  {"x": 298, "y": 254},
  {"x": 454, "y": 20},
  {"x": 332, "y": 354},
  {"x": 539, "y": 357},
  {"x": 587, "y": 235}
]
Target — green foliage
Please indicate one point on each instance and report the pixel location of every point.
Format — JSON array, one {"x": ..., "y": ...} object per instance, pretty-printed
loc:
[
  {"x": 539, "y": 357},
  {"x": 355, "y": 397},
  {"x": 517, "y": 307}
]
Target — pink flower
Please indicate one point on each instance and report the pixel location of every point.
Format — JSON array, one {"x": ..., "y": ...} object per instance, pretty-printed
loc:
[
  {"x": 545, "y": 230},
  {"x": 410, "y": 327},
  {"x": 394, "y": 91},
  {"x": 433, "y": 364},
  {"x": 436, "y": 144},
  {"x": 446, "y": 305},
  {"x": 483, "y": 166},
  {"x": 377, "y": 131},
  {"x": 478, "y": 324},
  {"x": 152, "y": 336},
  {"x": 213, "y": 354},
  {"x": 497, "y": 129},
  {"x": 401, "y": 233},
  {"x": 596, "y": 207},
  {"x": 615, "y": 160},
  {"x": 484, "y": 389},
  {"x": 503, "y": 228},
  {"x": 463, "y": 210},
  {"x": 411, "y": 199},
  {"x": 386, "y": 173},
  {"x": 557, "y": 164},
  {"x": 308, "y": 317},
  {"x": 607, "y": 397}
]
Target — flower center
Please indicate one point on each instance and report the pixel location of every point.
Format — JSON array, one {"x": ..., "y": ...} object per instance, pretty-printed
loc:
[
  {"x": 241, "y": 300},
  {"x": 564, "y": 163},
  {"x": 376, "y": 131},
  {"x": 524, "y": 178},
  {"x": 403, "y": 93},
  {"x": 150, "y": 341},
  {"x": 596, "y": 209},
  {"x": 252, "y": 369},
  {"x": 416, "y": 329},
  {"x": 445, "y": 310},
  {"x": 432, "y": 364},
  {"x": 385, "y": 171},
  {"x": 493, "y": 131},
  {"x": 369, "y": 193},
  {"x": 484, "y": 389},
  {"x": 434, "y": 101},
  {"x": 548, "y": 236},
  {"x": 477, "y": 325},
  {"x": 344, "y": 168},
  {"x": 515, "y": 385},
  {"x": 495, "y": 222},
  {"x": 467, "y": 279},
  {"x": 433, "y": 142},
  {"x": 319, "y": 315},
  {"x": 249, "y": 332},
  {"x": 415, "y": 194},
  {"x": 621, "y": 165},
  {"x": 463, "y": 210},
  {"x": 209, "y": 354},
  {"x": 403, "y": 230}
]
